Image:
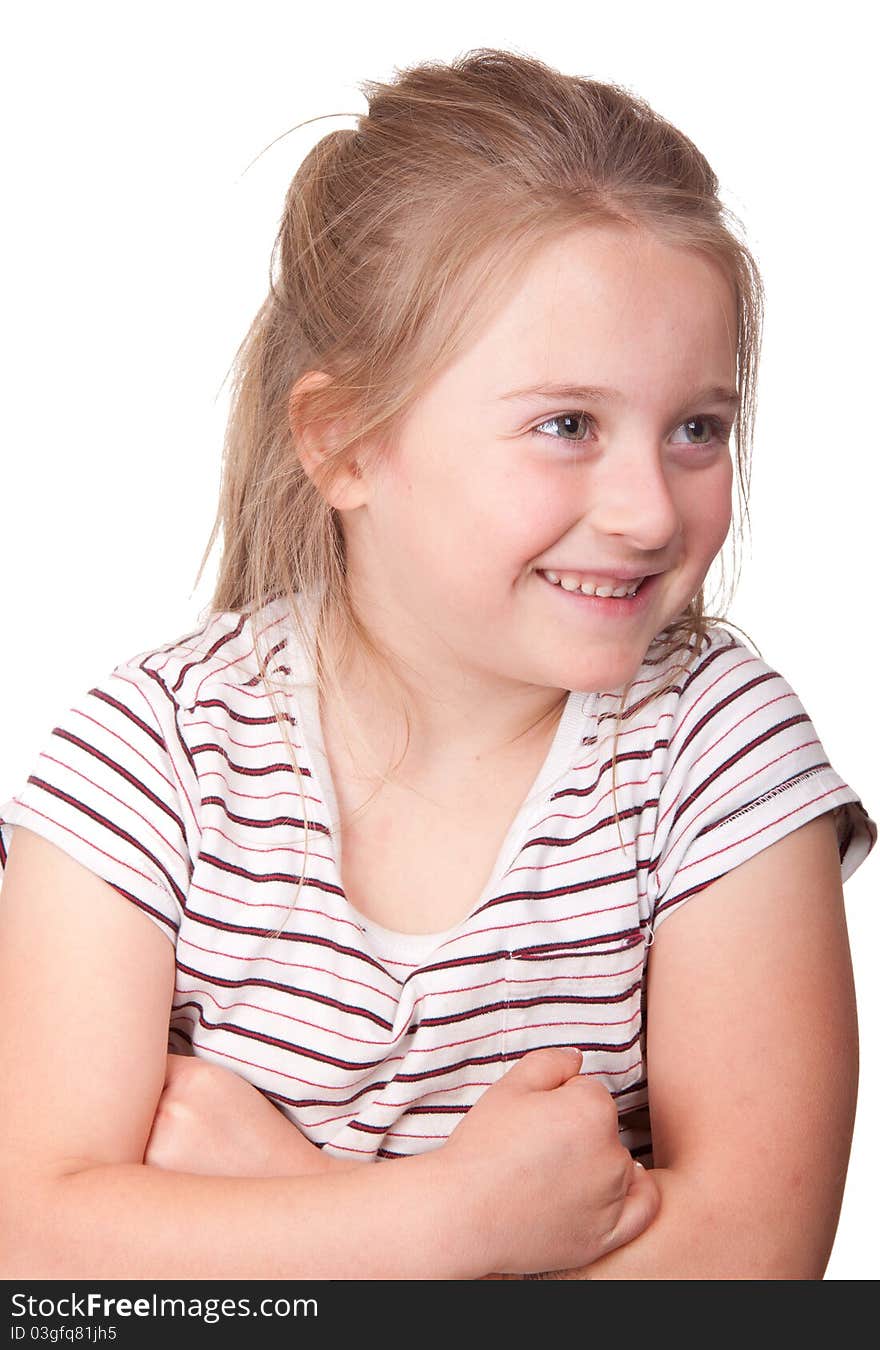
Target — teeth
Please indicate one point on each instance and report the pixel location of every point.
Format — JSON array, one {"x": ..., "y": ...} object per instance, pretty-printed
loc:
[{"x": 570, "y": 583}]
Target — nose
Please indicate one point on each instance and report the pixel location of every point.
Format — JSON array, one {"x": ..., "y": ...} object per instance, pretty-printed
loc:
[{"x": 630, "y": 495}]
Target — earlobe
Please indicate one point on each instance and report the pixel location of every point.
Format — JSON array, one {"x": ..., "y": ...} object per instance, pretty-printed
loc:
[{"x": 341, "y": 485}]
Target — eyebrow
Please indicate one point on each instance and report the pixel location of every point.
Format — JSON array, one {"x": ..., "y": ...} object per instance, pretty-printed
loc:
[{"x": 596, "y": 393}]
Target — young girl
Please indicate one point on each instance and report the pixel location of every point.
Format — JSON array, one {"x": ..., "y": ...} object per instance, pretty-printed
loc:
[{"x": 400, "y": 826}]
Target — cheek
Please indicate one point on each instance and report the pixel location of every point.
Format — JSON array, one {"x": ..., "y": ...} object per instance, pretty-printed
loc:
[
  {"x": 709, "y": 510},
  {"x": 501, "y": 516},
  {"x": 718, "y": 519}
]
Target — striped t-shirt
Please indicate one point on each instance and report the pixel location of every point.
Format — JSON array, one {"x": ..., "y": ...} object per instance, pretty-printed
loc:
[{"x": 171, "y": 781}]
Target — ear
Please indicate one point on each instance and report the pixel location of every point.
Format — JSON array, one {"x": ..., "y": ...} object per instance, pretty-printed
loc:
[{"x": 315, "y": 444}]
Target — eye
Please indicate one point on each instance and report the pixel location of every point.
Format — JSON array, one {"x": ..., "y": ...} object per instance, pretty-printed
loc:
[
  {"x": 714, "y": 427},
  {"x": 708, "y": 429},
  {"x": 568, "y": 418}
]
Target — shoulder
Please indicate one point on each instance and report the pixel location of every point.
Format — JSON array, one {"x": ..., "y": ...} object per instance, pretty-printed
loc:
[
  {"x": 229, "y": 649},
  {"x": 679, "y": 690},
  {"x": 709, "y": 696},
  {"x": 736, "y": 764},
  {"x": 703, "y": 673},
  {"x": 727, "y": 712}
]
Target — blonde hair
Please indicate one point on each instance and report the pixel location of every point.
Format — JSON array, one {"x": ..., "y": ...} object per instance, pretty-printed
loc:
[{"x": 398, "y": 241}]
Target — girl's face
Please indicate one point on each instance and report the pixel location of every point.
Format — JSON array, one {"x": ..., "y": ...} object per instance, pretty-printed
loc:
[{"x": 491, "y": 483}]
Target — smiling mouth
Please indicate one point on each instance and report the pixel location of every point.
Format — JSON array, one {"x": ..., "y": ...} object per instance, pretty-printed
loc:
[
  {"x": 616, "y": 590},
  {"x": 612, "y": 606}
]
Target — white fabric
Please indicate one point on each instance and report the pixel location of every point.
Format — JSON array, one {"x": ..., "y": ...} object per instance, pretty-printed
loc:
[{"x": 171, "y": 782}]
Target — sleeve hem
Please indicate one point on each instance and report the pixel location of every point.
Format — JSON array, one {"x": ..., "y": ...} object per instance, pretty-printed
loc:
[
  {"x": 165, "y": 912},
  {"x": 772, "y": 818}
]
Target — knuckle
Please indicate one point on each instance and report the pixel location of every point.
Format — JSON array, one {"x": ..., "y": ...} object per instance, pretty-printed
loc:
[
  {"x": 627, "y": 1172},
  {"x": 601, "y": 1103},
  {"x": 608, "y": 1108}
]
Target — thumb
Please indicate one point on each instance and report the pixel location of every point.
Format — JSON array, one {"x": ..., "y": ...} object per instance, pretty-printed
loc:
[{"x": 549, "y": 1067}]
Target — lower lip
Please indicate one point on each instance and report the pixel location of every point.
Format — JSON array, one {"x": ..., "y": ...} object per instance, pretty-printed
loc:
[{"x": 607, "y": 606}]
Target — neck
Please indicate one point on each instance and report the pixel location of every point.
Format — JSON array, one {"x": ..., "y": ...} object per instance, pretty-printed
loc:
[{"x": 448, "y": 732}]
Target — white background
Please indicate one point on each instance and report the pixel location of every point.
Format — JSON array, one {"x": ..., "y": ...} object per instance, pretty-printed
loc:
[{"x": 135, "y": 251}]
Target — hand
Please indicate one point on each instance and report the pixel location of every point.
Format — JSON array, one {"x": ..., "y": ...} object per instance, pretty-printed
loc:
[
  {"x": 554, "y": 1187},
  {"x": 211, "y": 1120}
]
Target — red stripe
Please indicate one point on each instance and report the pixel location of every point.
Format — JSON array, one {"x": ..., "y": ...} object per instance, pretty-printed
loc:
[
  {"x": 212, "y": 651},
  {"x": 136, "y": 784},
  {"x": 739, "y": 842},
  {"x": 112, "y": 829},
  {"x": 127, "y": 805},
  {"x": 293, "y": 965},
  {"x": 92, "y": 846},
  {"x": 241, "y": 718}
]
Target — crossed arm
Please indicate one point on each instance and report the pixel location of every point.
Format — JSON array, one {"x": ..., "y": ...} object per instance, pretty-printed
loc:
[{"x": 753, "y": 1044}]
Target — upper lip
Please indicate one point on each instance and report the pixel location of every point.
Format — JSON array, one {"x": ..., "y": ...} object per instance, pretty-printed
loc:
[{"x": 619, "y": 574}]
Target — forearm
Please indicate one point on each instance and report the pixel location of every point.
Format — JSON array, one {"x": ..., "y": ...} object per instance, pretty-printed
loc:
[
  {"x": 131, "y": 1221},
  {"x": 694, "y": 1236},
  {"x": 291, "y": 1154},
  {"x": 670, "y": 1248},
  {"x": 288, "y": 1153}
]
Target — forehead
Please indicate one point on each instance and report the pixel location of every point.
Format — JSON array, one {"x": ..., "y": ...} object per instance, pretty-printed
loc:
[{"x": 609, "y": 305}]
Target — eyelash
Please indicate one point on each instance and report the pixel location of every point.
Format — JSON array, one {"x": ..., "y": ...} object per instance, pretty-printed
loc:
[{"x": 721, "y": 429}]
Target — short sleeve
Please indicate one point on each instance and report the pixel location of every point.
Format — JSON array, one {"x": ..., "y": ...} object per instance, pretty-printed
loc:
[
  {"x": 113, "y": 787},
  {"x": 743, "y": 766}
]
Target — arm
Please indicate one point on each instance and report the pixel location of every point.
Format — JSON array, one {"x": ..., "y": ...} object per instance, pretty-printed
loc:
[
  {"x": 212, "y": 1121},
  {"x": 86, "y": 982},
  {"x": 753, "y": 1069}
]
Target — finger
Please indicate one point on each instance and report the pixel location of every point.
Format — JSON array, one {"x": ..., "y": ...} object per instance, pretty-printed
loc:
[
  {"x": 546, "y": 1068},
  {"x": 639, "y": 1208}
]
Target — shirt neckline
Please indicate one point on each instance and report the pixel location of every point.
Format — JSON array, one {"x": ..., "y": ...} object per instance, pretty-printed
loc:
[{"x": 569, "y": 735}]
